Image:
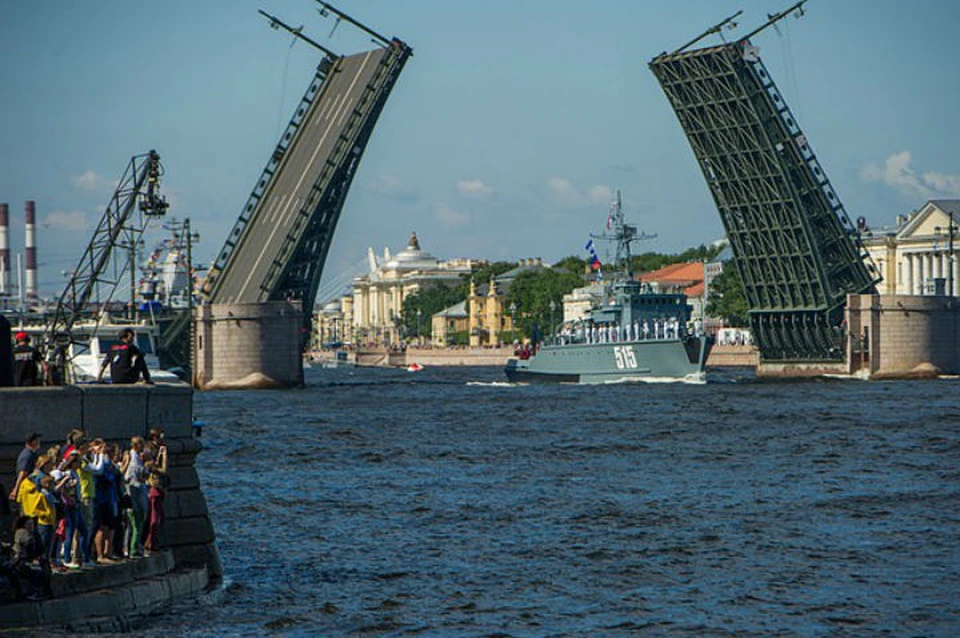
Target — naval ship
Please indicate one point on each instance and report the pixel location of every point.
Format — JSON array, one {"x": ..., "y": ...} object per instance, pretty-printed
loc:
[{"x": 633, "y": 333}]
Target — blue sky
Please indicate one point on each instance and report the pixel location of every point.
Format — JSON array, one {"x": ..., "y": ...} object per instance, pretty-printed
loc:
[{"x": 504, "y": 138}]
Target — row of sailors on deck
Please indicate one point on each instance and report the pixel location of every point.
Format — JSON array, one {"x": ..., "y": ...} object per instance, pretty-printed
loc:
[{"x": 612, "y": 333}]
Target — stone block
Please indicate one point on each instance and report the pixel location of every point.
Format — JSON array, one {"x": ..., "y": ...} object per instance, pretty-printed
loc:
[
  {"x": 111, "y": 576},
  {"x": 22, "y": 614},
  {"x": 171, "y": 408},
  {"x": 187, "y": 531},
  {"x": 51, "y": 411},
  {"x": 184, "y": 478},
  {"x": 115, "y": 412},
  {"x": 196, "y": 555},
  {"x": 185, "y": 504}
]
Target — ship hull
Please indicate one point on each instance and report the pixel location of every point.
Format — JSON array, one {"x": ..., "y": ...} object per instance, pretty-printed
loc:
[{"x": 642, "y": 360}]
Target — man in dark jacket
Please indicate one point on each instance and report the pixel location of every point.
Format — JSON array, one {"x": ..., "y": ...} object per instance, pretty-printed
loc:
[
  {"x": 125, "y": 361},
  {"x": 27, "y": 362}
]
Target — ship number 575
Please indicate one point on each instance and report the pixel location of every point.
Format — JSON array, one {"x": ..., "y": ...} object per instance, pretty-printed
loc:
[{"x": 625, "y": 357}]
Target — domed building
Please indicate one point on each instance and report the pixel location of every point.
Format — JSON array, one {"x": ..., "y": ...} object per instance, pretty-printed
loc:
[{"x": 378, "y": 296}]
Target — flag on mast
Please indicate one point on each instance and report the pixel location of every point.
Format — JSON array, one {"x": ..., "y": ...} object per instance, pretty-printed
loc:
[{"x": 594, "y": 259}]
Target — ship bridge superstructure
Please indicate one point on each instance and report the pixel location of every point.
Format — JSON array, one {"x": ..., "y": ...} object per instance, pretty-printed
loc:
[{"x": 795, "y": 248}]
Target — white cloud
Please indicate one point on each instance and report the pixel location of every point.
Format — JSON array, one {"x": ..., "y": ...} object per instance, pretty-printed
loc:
[
  {"x": 600, "y": 194},
  {"x": 449, "y": 216},
  {"x": 71, "y": 221},
  {"x": 946, "y": 184},
  {"x": 898, "y": 174},
  {"x": 392, "y": 187},
  {"x": 566, "y": 194},
  {"x": 563, "y": 192},
  {"x": 88, "y": 181},
  {"x": 474, "y": 188}
]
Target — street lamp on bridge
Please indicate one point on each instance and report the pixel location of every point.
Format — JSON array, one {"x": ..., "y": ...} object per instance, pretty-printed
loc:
[
  {"x": 419, "y": 314},
  {"x": 553, "y": 322},
  {"x": 951, "y": 230}
]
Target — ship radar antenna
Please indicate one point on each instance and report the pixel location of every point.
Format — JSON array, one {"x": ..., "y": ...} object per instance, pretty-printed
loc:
[{"x": 622, "y": 234}]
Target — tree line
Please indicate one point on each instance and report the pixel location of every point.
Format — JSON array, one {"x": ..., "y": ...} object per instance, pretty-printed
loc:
[{"x": 535, "y": 298}]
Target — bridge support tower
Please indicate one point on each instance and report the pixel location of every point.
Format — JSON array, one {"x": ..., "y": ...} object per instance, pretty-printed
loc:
[{"x": 248, "y": 345}]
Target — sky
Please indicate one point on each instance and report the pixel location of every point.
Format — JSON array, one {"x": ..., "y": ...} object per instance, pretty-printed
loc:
[{"x": 506, "y": 136}]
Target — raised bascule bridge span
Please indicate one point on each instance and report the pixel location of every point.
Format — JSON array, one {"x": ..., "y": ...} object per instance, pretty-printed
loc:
[
  {"x": 794, "y": 246},
  {"x": 272, "y": 261}
]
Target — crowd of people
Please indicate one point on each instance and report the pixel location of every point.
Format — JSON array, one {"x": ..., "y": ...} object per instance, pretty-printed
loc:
[{"x": 83, "y": 504}]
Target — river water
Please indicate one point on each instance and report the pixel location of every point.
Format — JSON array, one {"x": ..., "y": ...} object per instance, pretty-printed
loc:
[{"x": 379, "y": 502}]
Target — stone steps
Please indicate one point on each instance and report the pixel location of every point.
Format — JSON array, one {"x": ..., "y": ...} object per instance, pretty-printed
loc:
[
  {"x": 109, "y": 576},
  {"x": 107, "y": 598}
]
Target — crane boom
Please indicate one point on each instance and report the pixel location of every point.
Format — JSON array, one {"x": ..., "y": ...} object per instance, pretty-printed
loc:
[{"x": 135, "y": 200}]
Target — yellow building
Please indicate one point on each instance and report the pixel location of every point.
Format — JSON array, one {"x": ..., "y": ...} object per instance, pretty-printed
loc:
[
  {"x": 917, "y": 255},
  {"x": 448, "y": 324},
  {"x": 489, "y": 315}
]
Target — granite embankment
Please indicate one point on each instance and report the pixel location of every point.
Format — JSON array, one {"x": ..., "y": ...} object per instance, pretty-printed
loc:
[{"x": 116, "y": 596}]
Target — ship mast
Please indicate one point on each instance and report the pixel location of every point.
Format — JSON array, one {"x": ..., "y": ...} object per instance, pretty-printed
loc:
[{"x": 623, "y": 235}]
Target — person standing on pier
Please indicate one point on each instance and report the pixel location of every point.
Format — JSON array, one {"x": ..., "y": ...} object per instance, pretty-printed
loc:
[
  {"x": 26, "y": 461},
  {"x": 28, "y": 366},
  {"x": 125, "y": 361}
]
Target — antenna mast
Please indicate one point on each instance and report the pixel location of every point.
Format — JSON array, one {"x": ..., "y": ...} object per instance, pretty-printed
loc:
[
  {"x": 326, "y": 6},
  {"x": 623, "y": 235},
  {"x": 276, "y": 22},
  {"x": 774, "y": 19},
  {"x": 714, "y": 29}
]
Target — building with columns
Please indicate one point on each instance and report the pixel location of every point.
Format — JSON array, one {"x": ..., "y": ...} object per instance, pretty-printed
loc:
[
  {"x": 918, "y": 256},
  {"x": 332, "y": 324},
  {"x": 378, "y": 296}
]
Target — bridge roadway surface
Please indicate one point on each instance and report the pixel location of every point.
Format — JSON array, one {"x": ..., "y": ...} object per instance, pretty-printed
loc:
[{"x": 300, "y": 168}]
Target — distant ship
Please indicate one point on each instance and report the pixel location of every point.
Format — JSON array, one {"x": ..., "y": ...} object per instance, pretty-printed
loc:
[{"x": 632, "y": 334}]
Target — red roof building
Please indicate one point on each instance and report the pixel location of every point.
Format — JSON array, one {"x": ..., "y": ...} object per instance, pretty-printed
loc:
[{"x": 686, "y": 278}]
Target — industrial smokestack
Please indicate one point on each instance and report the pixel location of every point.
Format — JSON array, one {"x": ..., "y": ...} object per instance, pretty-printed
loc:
[
  {"x": 4, "y": 249},
  {"x": 31, "y": 250}
]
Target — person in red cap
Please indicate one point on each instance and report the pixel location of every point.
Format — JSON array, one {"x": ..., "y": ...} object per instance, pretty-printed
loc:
[{"x": 28, "y": 366}]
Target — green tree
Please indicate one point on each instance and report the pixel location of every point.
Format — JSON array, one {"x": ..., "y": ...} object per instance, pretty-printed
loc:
[
  {"x": 571, "y": 264},
  {"x": 428, "y": 300},
  {"x": 484, "y": 273},
  {"x": 531, "y": 293},
  {"x": 726, "y": 299}
]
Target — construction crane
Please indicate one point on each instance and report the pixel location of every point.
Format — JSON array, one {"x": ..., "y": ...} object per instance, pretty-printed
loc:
[{"x": 135, "y": 201}]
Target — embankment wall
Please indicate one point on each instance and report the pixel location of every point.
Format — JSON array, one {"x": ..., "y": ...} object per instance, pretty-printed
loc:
[
  {"x": 117, "y": 413},
  {"x": 248, "y": 345},
  {"x": 905, "y": 335},
  {"x": 434, "y": 357}
]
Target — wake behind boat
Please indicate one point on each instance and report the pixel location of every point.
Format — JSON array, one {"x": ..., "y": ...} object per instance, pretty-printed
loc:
[{"x": 632, "y": 334}]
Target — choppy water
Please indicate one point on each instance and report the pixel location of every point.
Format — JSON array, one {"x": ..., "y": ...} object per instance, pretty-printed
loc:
[{"x": 384, "y": 503}]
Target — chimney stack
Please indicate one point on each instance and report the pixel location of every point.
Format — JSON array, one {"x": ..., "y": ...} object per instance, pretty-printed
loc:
[
  {"x": 4, "y": 249},
  {"x": 30, "y": 272}
]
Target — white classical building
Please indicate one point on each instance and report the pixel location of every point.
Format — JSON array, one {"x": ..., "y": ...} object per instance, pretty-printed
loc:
[
  {"x": 378, "y": 296},
  {"x": 917, "y": 256}
]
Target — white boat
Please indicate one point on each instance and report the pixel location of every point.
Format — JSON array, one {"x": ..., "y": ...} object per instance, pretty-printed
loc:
[
  {"x": 339, "y": 359},
  {"x": 92, "y": 340}
]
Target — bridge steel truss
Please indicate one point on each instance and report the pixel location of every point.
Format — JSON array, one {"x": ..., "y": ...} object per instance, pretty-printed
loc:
[
  {"x": 795, "y": 249},
  {"x": 295, "y": 268},
  {"x": 295, "y": 273}
]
